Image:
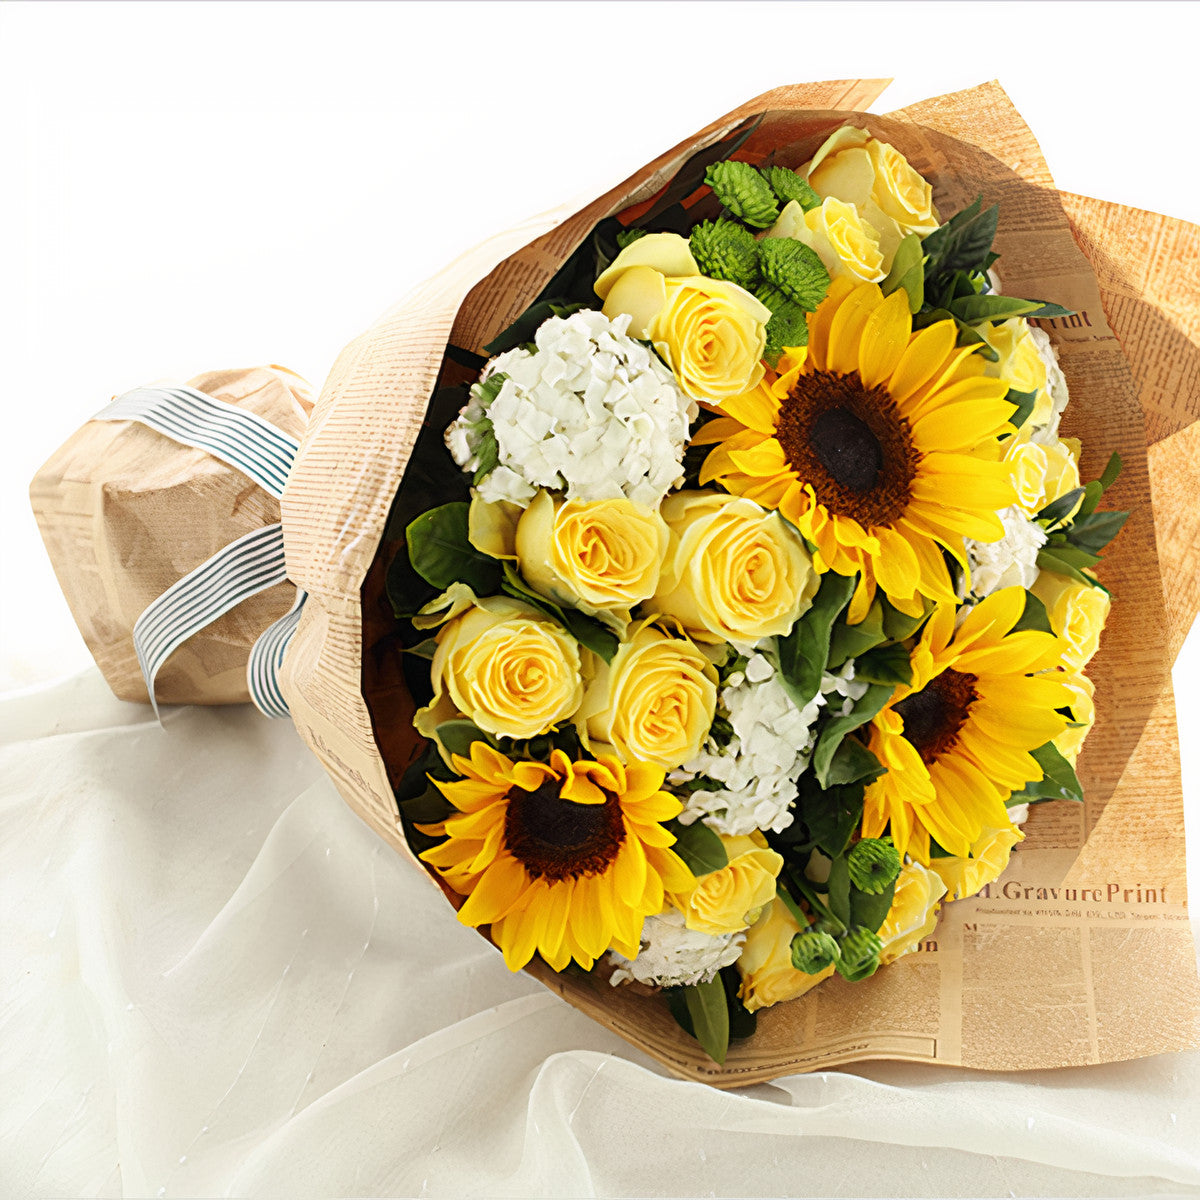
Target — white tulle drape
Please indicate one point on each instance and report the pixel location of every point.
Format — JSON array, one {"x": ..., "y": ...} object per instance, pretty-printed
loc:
[{"x": 216, "y": 981}]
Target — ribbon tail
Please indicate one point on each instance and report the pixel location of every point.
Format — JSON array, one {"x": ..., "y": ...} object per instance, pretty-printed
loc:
[
  {"x": 245, "y": 567},
  {"x": 266, "y": 659}
]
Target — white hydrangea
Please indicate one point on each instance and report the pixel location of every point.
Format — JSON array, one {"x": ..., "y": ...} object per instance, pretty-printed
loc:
[
  {"x": 1010, "y": 562},
  {"x": 771, "y": 745},
  {"x": 672, "y": 955},
  {"x": 1018, "y": 814},
  {"x": 591, "y": 412},
  {"x": 1056, "y": 382}
]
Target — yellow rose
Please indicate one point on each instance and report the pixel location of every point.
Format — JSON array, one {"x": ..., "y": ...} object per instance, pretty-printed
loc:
[
  {"x": 913, "y": 913},
  {"x": 1077, "y": 614},
  {"x": 711, "y": 333},
  {"x": 655, "y": 701},
  {"x": 1021, "y": 366},
  {"x": 964, "y": 877},
  {"x": 842, "y": 239},
  {"x": 1083, "y": 711},
  {"x": 667, "y": 254},
  {"x": 728, "y": 900},
  {"x": 1042, "y": 473},
  {"x": 863, "y": 171},
  {"x": 733, "y": 572},
  {"x": 601, "y": 556},
  {"x": 768, "y": 976},
  {"x": 507, "y": 668}
]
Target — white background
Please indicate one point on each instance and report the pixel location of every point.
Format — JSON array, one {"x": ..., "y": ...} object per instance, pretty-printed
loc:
[{"x": 192, "y": 186}]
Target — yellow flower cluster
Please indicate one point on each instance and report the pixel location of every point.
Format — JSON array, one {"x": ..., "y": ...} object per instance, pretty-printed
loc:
[
  {"x": 708, "y": 568},
  {"x": 871, "y": 198}
]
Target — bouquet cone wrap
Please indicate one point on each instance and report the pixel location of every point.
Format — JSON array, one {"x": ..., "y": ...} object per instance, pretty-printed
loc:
[
  {"x": 126, "y": 512},
  {"x": 1082, "y": 952}
]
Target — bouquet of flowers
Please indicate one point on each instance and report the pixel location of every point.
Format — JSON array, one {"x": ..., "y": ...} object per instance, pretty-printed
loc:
[
  {"x": 746, "y": 588},
  {"x": 702, "y": 587}
]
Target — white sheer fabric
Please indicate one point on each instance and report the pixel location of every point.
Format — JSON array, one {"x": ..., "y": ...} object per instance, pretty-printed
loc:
[{"x": 217, "y": 982}]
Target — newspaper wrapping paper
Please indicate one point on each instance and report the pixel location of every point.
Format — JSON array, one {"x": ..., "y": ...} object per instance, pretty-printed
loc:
[
  {"x": 126, "y": 512},
  {"x": 1082, "y": 952}
]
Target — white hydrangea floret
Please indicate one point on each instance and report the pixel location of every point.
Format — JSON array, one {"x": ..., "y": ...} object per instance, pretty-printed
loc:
[
  {"x": 1010, "y": 562},
  {"x": 771, "y": 745},
  {"x": 672, "y": 955},
  {"x": 590, "y": 412}
]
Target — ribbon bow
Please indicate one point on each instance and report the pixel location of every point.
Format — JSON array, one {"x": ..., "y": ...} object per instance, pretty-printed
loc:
[{"x": 249, "y": 565}]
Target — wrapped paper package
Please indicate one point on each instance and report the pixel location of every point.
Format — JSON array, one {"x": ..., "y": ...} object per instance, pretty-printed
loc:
[
  {"x": 126, "y": 512},
  {"x": 1082, "y": 952}
]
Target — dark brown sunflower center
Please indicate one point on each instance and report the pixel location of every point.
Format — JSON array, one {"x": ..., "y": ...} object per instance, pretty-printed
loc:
[
  {"x": 559, "y": 839},
  {"x": 849, "y": 443},
  {"x": 934, "y": 715}
]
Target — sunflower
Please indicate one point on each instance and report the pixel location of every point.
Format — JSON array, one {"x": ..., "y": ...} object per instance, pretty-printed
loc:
[
  {"x": 564, "y": 859},
  {"x": 956, "y": 742},
  {"x": 879, "y": 444}
]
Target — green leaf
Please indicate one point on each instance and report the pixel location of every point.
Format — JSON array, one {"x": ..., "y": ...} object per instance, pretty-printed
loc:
[
  {"x": 1058, "y": 510},
  {"x": 785, "y": 897},
  {"x": 591, "y": 634},
  {"x": 852, "y": 763},
  {"x": 586, "y": 631},
  {"x": 459, "y": 736},
  {"x": 709, "y": 1012},
  {"x": 1034, "y": 616},
  {"x": 427, "y": 808},
  {"x": 488, "y": 453},
  {"x": 1111, "y": 470},
  {"x": 884, "y": 664},
  {"x": 804, "y": 652},
  {"x": 1093, "y": 532},
  {"x": 849, "y": 641},
  {"x": 897, "y": 625},
  {"x": 963, "y": 242},
  {"x": 742, "y": 1022},
  {"x": 1079, "y": 559},
  {"x": 795, "y": 270},
  {"x": 838, "y": 886},
  {"x": 699, "y": 847},
  {"x": 839, "y": 889},
  {"x": 426, "y": 649},
  {"x": 725, "y": 250},
  {"x": 1092, "y": 494},
  {"x": 419, "y": 802},
  {"x": 441, "y": 552},
  {"x": 869, "y": 909},
  {"x": 627, "y": 237},
  {"x": 1049, "y": 559},
  {"x": 931, "y": 316},
  {"x": 742, "y": 190},
  {"x": 1059, "y": 783},
  {"x": 1025, "y": 402},
  {"x": 830, "y": 815},
  {"x": 971, "y": 310},
  {"x": 788, "y": 186},
  {"x": 908, "y": 272},
  {"x": 875, "y": 697},
  {"x": 526, "y": 325}
]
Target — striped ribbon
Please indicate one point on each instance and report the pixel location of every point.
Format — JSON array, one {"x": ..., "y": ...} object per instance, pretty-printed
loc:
[{"x": 247, "y": 566}]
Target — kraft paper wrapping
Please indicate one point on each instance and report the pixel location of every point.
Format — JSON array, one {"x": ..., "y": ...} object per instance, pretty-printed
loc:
[
  {"x": 1082, "y": 953},
  {"x": 126, "y": 512}
]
